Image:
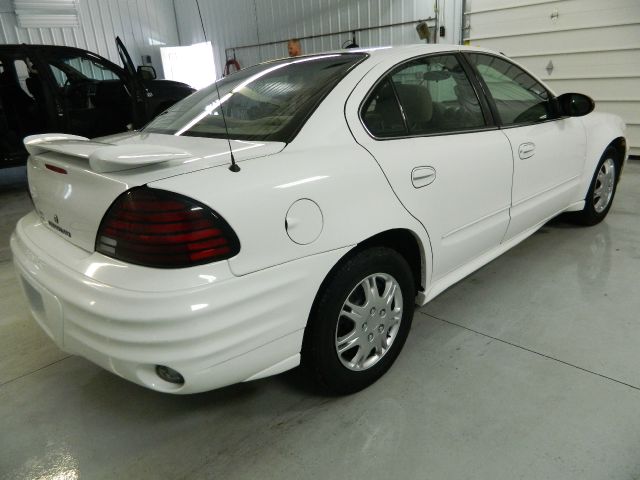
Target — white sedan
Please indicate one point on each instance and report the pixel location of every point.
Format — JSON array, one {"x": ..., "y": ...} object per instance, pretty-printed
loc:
[{"x": 361, "y": 183}]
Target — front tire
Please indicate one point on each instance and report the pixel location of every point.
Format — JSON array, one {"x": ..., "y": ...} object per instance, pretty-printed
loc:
[
  {"x": 360, "y": 321},
  {"x": 601, "y": 191}
]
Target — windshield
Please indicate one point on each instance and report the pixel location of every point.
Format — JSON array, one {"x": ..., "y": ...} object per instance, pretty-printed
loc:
[{"x": 266, "y": 102}]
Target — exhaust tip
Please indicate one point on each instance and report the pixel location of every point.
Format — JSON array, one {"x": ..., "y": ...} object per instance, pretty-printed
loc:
[{"x": 169, "y": 375}]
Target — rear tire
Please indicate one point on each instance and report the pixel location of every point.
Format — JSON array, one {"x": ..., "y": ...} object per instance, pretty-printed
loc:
[
  {"x": 601, "y": 191},
  {"x": 360, "y": 321}
]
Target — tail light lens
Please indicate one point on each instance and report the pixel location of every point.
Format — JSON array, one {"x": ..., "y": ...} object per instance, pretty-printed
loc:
[{"x": 156, "y": 228}]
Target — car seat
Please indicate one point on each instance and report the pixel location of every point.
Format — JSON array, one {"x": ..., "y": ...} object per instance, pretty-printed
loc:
[
  {"x": 418, "y": 106},
  {"x": 18, "y": 105},
  {"x": 469, "y": 113}
]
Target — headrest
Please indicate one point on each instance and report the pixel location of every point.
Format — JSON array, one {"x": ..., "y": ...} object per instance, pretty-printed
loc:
[{"x": 436, "y": 75}]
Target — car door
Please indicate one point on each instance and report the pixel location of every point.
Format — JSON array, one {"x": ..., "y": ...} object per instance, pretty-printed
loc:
[
  {"x": 139, "y": 93},
  {"x": 451, "y": 168},
  {"x": 548, "y": 150}
]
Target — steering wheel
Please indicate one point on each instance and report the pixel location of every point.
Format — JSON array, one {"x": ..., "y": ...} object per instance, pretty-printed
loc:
[{"x": 77, "y": 92}]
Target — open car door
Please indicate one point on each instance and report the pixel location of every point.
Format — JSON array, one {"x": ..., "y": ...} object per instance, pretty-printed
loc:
[{"x": 137, "y": 89}]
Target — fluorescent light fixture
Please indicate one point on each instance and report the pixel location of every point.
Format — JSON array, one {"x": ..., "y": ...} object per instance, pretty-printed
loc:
[{"x": 47, "y": 13}]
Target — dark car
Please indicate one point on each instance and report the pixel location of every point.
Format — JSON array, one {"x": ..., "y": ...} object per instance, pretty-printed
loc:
[{"x": 45, "y": 88}]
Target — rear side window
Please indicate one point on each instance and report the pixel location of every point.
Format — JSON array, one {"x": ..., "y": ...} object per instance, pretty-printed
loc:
[
  {"x": 435, "y": 96},
  {"x": 519, "y": 98},
  {"x": 381, "y": 112},
  {"x": 267, "y": 102}
]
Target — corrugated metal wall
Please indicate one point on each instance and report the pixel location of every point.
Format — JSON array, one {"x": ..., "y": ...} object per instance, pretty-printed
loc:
[
  {"x": 281, "y": 19},
  {"x": 143, "y": 25},
  {"x": 226, "y": 23},
  {"x": 593, "y": 45},
  {"x": 244, "y": 22}
]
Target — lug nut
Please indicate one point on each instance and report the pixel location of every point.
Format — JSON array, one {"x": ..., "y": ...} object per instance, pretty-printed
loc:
[
  {"x": 371, "y": 337},
  {"x": 381, "y": 328}
]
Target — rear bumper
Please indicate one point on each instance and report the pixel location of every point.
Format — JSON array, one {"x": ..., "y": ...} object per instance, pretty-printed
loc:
[{"x": 229, "y": 330}]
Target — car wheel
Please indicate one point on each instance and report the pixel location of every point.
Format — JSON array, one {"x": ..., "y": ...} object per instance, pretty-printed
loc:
[
  {"x": 360, "y": 321},
  {"x": 601, "y": 191}
]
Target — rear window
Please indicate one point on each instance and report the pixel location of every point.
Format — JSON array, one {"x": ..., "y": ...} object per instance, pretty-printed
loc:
[{"x": 266, "y": 102}]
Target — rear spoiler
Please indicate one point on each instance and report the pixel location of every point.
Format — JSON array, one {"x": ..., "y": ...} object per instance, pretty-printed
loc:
[{"x": 102, "y": 157}]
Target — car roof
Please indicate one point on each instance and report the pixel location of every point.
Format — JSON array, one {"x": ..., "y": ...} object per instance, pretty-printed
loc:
[
  {"x": 393, "y": 53},
  {"x": 405, "y": 51},
  {"x": 418, "y": 48},
  {"x": 12, "y": 46}
]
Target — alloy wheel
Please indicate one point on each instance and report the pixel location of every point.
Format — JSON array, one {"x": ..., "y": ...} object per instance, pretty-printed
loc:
[
  {"x": 369, "y": 321},
  {"x": 605, "y": 181}
]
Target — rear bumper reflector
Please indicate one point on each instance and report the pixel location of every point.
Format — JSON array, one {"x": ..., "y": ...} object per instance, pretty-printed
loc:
[{"x": 53, "y": 168}]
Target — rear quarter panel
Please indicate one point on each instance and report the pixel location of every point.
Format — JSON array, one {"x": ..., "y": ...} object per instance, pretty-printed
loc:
[
  {"x": 323, "y": 164},
  {"x": 342, "y": 179}
]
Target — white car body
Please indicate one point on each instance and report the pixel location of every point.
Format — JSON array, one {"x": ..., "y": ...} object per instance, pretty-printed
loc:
[{"x": 298, "y": 209}]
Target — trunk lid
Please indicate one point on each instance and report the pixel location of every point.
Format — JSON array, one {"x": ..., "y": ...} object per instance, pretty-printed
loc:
[{"x": 74, "y": 180}]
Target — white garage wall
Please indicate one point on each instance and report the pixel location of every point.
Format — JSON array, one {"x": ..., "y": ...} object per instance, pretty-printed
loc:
[
  {"x": 226, "y": 23},
  {"x": 594, "y": 46},
  {"x": 143, "y": 25},
  {"x": 245, "y": 22}
]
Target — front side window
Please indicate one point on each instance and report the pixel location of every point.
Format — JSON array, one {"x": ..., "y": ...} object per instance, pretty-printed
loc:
[
  {"x": 266, "y": 102},
  {"x": 59, "y": 75},
  {"x": 435, "y": 96},
  {"x": 519, "y": 98},
  {"x": 71, "y": 67}
]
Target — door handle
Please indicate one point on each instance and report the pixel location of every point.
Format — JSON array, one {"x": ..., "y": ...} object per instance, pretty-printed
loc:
[
  {"x": 423, "y": 176},
  {"x": 527, "y": 150}
]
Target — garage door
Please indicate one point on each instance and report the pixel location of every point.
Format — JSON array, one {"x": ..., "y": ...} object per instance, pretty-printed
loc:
[{"x": 587, "y": 46}]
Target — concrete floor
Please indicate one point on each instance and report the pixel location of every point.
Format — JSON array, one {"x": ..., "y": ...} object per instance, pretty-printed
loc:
[{"x": 528, "y": 369}]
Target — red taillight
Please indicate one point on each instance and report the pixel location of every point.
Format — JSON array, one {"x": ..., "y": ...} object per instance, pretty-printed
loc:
[
  {"x": 156, "y": 228},
  {"x": 53, "y": 168}
]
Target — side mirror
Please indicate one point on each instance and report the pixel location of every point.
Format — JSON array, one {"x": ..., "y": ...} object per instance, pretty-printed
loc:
[
  {"x": 147, "y": 72},
  {"x": 575, "y": 104}
]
